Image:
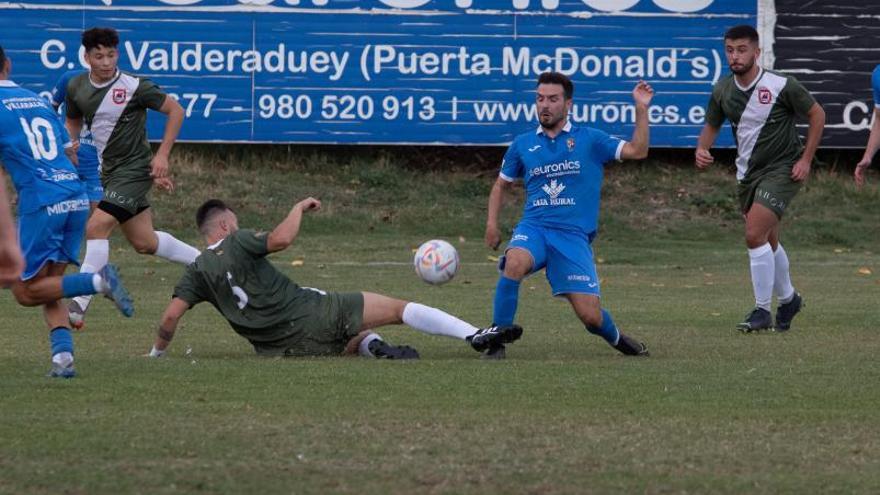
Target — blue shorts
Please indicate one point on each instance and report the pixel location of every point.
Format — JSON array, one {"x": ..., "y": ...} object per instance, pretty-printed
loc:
[
  {"x": 91, "y": 176},
  {"x": 52, "y": 233},
  {"x": 566, "y": 255}
]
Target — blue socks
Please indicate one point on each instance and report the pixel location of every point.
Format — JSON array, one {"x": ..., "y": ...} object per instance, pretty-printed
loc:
[
  {"x": 506, "y": 299},
  {"x": 77, "y": 284},
  {"x": 608, "y": 330},
  {"x": 61, "y": 340}
]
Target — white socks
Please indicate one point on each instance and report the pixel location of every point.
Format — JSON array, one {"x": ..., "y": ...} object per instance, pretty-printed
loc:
[
  {"x": 763, "y": 270},
  {"x": 97, "y": 255},
  {"x": 435, "y": 322},
  {"x": 174, "y": 250},
  {"x": 781, "y": 278}
]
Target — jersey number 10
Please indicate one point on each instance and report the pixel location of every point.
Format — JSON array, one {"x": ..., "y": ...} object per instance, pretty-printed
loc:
[{"x": 41, "y": 138}]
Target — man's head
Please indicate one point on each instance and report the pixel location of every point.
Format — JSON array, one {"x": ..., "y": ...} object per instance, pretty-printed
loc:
[
  {"x": 215, "y": 219},
  {"x": 742, "y": 49},
  {"x": 101, "y": 52},
  {"x": 553, "y": 99},
  {"x": 5, "y": 65}
]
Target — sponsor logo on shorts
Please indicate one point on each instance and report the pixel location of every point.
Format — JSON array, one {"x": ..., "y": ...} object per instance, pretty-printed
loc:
[
  {"x": 68, "y": 206},
  {"x": 64, "y": 176},
  {"x": 771, "y": 200},
  {"x": 579, "y": 278},
  {"x": 520, "y": 237},
  {"x": 119, "y": 198}
]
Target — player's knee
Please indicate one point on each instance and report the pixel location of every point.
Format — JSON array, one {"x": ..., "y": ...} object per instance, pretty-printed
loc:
[
  {"x": 755, "y": 238},
  {"x": 23, "y": 295},
  {"x": 97, "y": 230},
  {"x": 516, "y": 267}
]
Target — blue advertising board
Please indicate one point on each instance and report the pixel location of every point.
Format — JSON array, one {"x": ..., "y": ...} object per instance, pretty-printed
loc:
[{"x": 446, "y": 72}]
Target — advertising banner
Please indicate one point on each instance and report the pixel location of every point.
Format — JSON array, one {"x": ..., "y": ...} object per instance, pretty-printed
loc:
[{"x": 444, "y": 72}]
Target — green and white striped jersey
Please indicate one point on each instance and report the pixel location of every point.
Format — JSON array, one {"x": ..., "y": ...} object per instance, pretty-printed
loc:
[
  {"x": 763, "y": 119},
  {"x": 116, "y": 114}
]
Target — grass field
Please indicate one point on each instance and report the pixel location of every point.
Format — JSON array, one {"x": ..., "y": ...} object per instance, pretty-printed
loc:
[{"x": 711, "y": 411}]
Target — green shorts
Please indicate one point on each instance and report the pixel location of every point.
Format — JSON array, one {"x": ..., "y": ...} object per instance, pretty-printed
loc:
[
  {"x": 774, "y": 189},
  {"x": 126, "y": 193},
  {"x": 325, "y": 332}
]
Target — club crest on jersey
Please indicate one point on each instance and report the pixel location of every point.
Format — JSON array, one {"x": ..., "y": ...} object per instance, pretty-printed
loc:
[
  {"x": 119, "y": 95},
  {"x": 570, "y": 143},
  {"x": 764, "y": 96}
]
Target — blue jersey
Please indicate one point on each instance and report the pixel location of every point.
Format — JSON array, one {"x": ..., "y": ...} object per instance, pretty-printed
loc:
[
  {"x": 32, "y": 142},
  {"x": 875, "y": 84},
  {"x": 562, "y": 176},
  {"x": 87, "y": 153}
]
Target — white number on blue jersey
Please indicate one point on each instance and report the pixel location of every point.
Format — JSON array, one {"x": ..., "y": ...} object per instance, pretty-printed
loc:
[{"x": 41, "y": 138}]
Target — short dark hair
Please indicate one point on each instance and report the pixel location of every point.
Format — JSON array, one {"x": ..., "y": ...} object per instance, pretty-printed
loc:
[
  {"x": 2, "y": 58},
  {"x": 95, "y": 37},
  {"x": 209, "y": 209},
  {"x": 742, "y": 31},
  {"x": 557, "y": 78}
]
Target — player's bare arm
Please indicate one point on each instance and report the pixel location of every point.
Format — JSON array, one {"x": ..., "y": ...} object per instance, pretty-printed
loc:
[
  {"x": 637, "y": 147},
  {"x": 286, "y": 231},
  {"x": 173, "y": 313},
  {"x": 174, "y": 111},
  {"x": 70, "y": 151},
  {"x": 870, "y": 149},
  {"x": 74, "y": 128},
  {"x": 11, "y": 261},
  {"x": 703, "y": 157},
  {"x": 816, "y": 117},
  {"x": 496, "y": 198}
]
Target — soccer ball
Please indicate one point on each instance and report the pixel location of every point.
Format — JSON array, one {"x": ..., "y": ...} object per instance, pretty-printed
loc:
[{"x": 436, "y": 262}]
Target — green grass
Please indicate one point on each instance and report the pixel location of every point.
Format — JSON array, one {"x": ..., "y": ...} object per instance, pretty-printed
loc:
[{"x": 711, "y": 411}]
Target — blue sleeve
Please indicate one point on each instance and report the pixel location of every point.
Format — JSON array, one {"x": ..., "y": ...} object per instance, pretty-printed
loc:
[
  {"x": 875, "y": 84},
  {"x": 59, "y": 92},
  {"x": 605, "y": 146},
  {"x": 511, "y": 166},
  {"x": 62, "y": 132}
]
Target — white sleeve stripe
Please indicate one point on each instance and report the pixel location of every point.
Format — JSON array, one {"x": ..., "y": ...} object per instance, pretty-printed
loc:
[
  {"x": 619, "y": 150},
  {"x": 504, "y": 177}
]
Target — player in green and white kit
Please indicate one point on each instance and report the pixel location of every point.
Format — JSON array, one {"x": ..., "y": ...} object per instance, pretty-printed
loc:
[
  {"x": 113, "y": 105},
  {"x": 771, "y": 164},
  {"x": 280, "y": 318}
]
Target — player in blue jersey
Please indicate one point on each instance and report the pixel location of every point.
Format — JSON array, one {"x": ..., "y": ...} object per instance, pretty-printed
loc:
[
  {"x": 87, "y": 163},
  {"x": 52, "y": 213},
  {"x": 874, "y": 137},
  {"x": 561, "y": 165}
]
